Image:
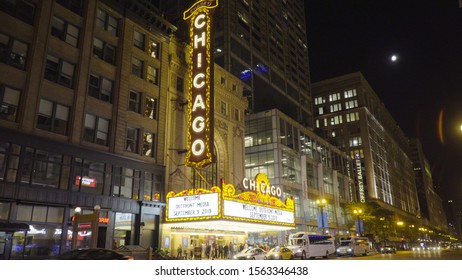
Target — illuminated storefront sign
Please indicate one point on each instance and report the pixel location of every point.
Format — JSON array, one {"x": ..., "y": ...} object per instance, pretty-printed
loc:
[
  {"x": 359, "y": 171},
  {"x": 85, "y": 181},
  {"x": 200, "y": 100}
]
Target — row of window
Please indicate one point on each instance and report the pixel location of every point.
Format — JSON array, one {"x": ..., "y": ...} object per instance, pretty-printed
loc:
[
  {"x": 338, "y": 107},
  {"x": 350, "y": 117},
  {"x": 335, "y": 96},
  {"x": 55, "y": 170}
]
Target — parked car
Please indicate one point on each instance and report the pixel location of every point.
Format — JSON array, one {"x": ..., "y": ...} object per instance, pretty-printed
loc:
[
  {"x": 251, "y": 254},
  {"x": 93, "y": 254},
  {"x": 279, "y": 253},
  {"x": 388, "y": 249}
]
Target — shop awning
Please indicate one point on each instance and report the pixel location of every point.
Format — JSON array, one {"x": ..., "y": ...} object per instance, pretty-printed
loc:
[
  {"x": 226, "y": 226},
  {"x": 10, "y": 227}
]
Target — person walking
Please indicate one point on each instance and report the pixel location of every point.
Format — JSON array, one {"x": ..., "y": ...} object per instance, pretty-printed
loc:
[{"x": 225, "y": 251}]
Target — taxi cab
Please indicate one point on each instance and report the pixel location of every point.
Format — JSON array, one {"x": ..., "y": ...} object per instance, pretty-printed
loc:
[{"x": 279, "y": 253}]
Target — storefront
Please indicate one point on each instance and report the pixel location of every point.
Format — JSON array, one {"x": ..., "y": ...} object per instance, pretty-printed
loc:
[{"x": 198, "y": 218}]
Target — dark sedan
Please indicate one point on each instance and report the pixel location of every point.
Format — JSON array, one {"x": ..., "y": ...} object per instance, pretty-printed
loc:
[
  {"x": 93, "y": 254},
  {"x": 388, "y": 250}
]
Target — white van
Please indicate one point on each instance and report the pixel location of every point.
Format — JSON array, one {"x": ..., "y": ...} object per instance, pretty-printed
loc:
[
  {"x": 305, "y": 245},
  {"x": 353, "y": 246}
]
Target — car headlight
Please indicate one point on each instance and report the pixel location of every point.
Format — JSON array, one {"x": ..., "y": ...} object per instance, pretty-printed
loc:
[
  {"x": 381, "y": 249},
  {"x": 349, "y": 250},
  {"x": 338, "y": 250},
  {"x": 249, "y": 257},
  {"x": 299, "y": 250},
  {"x": 276, "y": 255}
]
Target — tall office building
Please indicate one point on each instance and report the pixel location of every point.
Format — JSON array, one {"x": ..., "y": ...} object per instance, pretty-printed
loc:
[
  {"x": 431, "y": 204},
  {"x": 351, "y": 113},
  {"x": 82, "y": 123},
  {"x": 264, "y": 43}
]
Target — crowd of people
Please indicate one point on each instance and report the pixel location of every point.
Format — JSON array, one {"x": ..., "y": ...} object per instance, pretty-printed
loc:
[{"x": 217, "y": 251}]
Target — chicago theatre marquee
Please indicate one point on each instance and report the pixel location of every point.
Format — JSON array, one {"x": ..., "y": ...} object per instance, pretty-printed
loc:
[{"x": 222, "y": 213}]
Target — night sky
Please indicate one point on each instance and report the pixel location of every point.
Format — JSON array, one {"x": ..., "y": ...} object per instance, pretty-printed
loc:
[{"x": 425, "y": 81}]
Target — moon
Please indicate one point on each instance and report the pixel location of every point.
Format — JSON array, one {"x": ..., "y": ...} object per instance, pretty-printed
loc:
[{"x": 394, "y": 58}]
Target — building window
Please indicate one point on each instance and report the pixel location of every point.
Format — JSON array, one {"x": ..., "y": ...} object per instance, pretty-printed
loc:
[
  {"x": 150, "y": 109},
  {"x": 106, "y": 22},
  {"x": 154, "y": 48},
  {"x": 59, "y": 71},
  {"x": 349, "y": 93},
  {"x": 352, "y": 117},
  {"x": 335, "y": 107},
  {"x": 9, "y": 102},
  {"x": 42, "y": 168},
  {"x": 20, "y": 9},
  {"x": 73, "y": 5},
  {"x": 96, "y": 129},
  {"x": 65, "y": 31},
  {"x": 12, "y": 51},
  {"x": 319, "y": 100},
  {"x": 100, "y": 88},
  {"x": 134, "y": 102},
  {"x": 131, "y": 143},
  {"x": 179, "y": 84},
  {"x": 321, "y": 110},
  {"x": 355, "y": 141},
  {"x": 334, "y": 97},
  {"x": 127, "y": 182},
  {"x": 351, "y": 104},
  {"x": 53, "y": 117},
  {"x": 152, "y": 75},
  {"x": 104, "y": 51},
  {"x": 137, "y": 67},
  {"x": 138, "y": 40},
  {"x": 152, "y": 186},
  {"x": 148, "y": 144},
  {"x": 236, "y": 115},
  {"x": 223, "y": 108},
  {"x": 88, "y": 176}
]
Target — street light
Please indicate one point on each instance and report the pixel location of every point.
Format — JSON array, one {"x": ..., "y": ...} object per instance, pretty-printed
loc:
[
  {"x": 358, "y": 213},
  {"x": 321, "y": 203}
]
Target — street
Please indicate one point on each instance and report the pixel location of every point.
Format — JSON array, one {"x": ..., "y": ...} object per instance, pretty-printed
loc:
[{"x": 453, "y": 254}]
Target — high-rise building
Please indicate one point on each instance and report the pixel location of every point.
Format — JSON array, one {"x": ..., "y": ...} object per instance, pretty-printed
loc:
[
  {"x": 351, "y": 113},
  {"x": 82, "y": 123},
  {"x": 431, "y": 204},
  {"x": 264, "y": 43},
  {"x": 306, "y": 167}
]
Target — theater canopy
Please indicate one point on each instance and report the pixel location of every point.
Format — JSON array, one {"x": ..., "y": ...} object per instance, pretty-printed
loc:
[{"x": 256, "y": 209}]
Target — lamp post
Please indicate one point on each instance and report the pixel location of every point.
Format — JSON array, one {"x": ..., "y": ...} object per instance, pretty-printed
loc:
[
  {"x": 358, "y": 213},
  {"x": 321, "y": 203}
]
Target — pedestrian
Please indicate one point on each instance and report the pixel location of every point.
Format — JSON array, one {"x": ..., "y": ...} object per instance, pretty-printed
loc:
[
  {"x": 231, "y": 249},
  {"x": 191, "y": 250},
  {"x": 220, "y": 251},
  {"x": 225, "y": 251},
  {"x": 179, "y": 252},
  {"x": 207, "y": 251}
]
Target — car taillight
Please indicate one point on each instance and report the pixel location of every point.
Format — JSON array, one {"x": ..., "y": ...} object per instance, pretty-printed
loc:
[{"x": 131, "y": 259}]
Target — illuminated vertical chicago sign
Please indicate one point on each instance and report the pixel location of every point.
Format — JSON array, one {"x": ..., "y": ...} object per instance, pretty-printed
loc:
[{"x": 200, "y": 100}]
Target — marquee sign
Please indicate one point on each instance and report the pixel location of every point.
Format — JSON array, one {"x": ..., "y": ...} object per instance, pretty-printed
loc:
[
  {"x": 200, "y": 100},
  {"x": 223, "y": 203},
  {"x": 193, "y": 205}
]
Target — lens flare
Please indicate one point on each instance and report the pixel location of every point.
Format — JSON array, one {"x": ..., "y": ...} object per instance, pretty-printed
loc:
[{"x": 440, "y": 126}]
